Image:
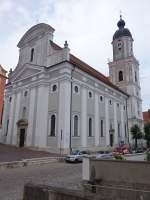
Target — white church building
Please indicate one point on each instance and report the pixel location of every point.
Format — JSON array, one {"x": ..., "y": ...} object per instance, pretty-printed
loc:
[{"x": 53, "y": 100}]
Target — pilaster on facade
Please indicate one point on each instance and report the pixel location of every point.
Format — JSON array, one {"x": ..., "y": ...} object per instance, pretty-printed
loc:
[
  {"x": 30, "y": 131},
  {"x": 115, "y": 125},
  {"x": 107, "y": 122},
  {"x": 122, "y": 123},
  {"x": 11, "y": 120},
  {"x": 16, "y": 118},
  {"x": 64, "y": 115},
  {"x": 41, "y": 117},
  {"x": 84, "y": 117},
  {"x": 97, "y": 121}
]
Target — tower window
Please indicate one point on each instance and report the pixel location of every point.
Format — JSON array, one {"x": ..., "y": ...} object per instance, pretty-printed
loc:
[
  {"x": 32, "y": 55},
  {"x": 120, "y": 76}
]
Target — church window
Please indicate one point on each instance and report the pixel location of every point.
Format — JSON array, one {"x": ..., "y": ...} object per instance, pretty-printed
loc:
[
  {"x": 102, "y": 128},
  {"x": 76, "y": 89},
  {"x": 54, "y": 88},
  {"x": 90, "y": 127},
  {"x": 110, "y": 102},
  {"x": 32, "y": 55},
  {"x": 120, "y": 76},
  {"x": 25, "y": 93},
  {"x": 125, "y": 130},
  {"x": 24, "y": 112},
  {"x": 76, "y": 125},
  {"x": 90, "y": 94},
  {"x": 118, "y": 105},
  {"x": 135, "y": 77},
  {"x": 119, "y": 130},
  {"x": 53, "y": 125},
  {"x": 10, "y": 98},
  {"x": 101, "y": 98},
  {"x": 7, "y": 127}
]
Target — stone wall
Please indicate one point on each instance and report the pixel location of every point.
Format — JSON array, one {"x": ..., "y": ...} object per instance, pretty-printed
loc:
[{"x": 117, "y": 171}]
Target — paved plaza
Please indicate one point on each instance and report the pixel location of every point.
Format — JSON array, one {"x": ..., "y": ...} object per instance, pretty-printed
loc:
[
  {"x": 10, "y": 153},
  {"x": 56, "y": 174}
]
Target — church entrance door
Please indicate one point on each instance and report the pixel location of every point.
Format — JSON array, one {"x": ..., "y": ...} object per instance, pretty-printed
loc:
[{"x": 22, "y": 137}]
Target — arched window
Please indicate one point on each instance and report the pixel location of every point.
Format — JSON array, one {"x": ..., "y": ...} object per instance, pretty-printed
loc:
[
  {"x": 90, "y": 94},
  {"x": 24, "y": 112},
  {"x": 75, "y": 125},
  {"x": 135, "y": 77},
  {"x": 25, "y": 93},
  {"x": 53, "y": 125},
  {"x": 32, "y": 54},
  {"x": 76, "y": 89},
  {"x": 90, "y": 127},
  {"x": 54, "y": 88},
  {"x": 120, "y": 76}
]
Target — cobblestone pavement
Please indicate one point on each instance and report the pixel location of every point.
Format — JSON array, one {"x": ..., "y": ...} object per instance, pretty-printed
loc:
[
  {"x": 11, "y": 153},
  {"x": 56, "y": 174}
]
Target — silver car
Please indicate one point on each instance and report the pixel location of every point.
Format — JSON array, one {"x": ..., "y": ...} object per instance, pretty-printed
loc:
[{"x": 76, "y": 156}]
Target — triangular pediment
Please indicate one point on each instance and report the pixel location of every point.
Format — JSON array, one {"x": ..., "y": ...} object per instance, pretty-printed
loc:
[{"x": 26, "y": 72}]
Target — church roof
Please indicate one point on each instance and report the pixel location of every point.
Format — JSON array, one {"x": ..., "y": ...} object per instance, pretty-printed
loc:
[
  {"x": 88, "y": 69},
  {"x": 121, "y": 31}
]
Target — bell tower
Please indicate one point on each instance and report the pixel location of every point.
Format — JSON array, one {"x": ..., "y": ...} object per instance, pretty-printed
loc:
[{"x": 124, "y": 72}]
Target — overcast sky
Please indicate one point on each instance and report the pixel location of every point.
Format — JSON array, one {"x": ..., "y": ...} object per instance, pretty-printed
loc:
[{"x": 87, "y": 25}]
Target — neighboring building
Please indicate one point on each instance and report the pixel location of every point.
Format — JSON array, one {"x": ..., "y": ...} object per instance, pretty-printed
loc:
[
  {"x": 146, "y": 116},
  {"x": 124, "y": 73},
  {"x": 2, "y": 88},
  {"x": 52, "y": 95}
]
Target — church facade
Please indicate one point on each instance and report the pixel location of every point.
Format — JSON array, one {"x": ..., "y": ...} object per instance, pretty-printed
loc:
[{"x": 55, "y": 101}]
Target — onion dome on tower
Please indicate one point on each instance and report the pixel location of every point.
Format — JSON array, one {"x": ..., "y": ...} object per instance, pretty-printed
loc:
[{"x": 121, "y": 32}]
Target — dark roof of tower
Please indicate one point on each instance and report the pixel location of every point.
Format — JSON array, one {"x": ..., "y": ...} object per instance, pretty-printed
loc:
[{"x": 121, "y": 31}]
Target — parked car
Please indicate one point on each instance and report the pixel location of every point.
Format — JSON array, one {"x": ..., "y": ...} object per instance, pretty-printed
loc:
[
  {"x": 76, "y": 156},
  {"x": 104, "y": 155}
]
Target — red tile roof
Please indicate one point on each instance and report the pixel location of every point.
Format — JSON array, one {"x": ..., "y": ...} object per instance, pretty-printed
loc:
[
  {"x": 146, "y": 116},
  {"x": 88, "y": 69}
]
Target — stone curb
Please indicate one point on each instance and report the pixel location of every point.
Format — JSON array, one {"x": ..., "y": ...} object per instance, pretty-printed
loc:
[{"x": 29, "y": 162}]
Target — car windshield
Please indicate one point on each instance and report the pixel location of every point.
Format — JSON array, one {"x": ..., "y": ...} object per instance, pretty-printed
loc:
[{"x": 75, "y": 152}]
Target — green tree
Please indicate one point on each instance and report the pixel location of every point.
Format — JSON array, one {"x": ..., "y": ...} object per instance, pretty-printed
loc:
[
  {"x": 136, "y": 133},
  {"x": 147, "y": 134}
]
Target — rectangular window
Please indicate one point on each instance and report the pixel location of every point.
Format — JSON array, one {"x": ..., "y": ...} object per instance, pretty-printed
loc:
[
  {"x": 102, "y": 129},
  {"x": 90, "y": 127},
  {"x": 118, "y": 129},
  {"x": 125, "y": 130}
]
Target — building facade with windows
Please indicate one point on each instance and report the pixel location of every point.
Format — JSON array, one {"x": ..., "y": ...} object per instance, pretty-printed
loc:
[
  {"x": 2, "y": 88},
  {"x": 55, "y": 101}
]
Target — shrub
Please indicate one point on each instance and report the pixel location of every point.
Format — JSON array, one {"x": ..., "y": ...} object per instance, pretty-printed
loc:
[{"x": 119, "y": 157}]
